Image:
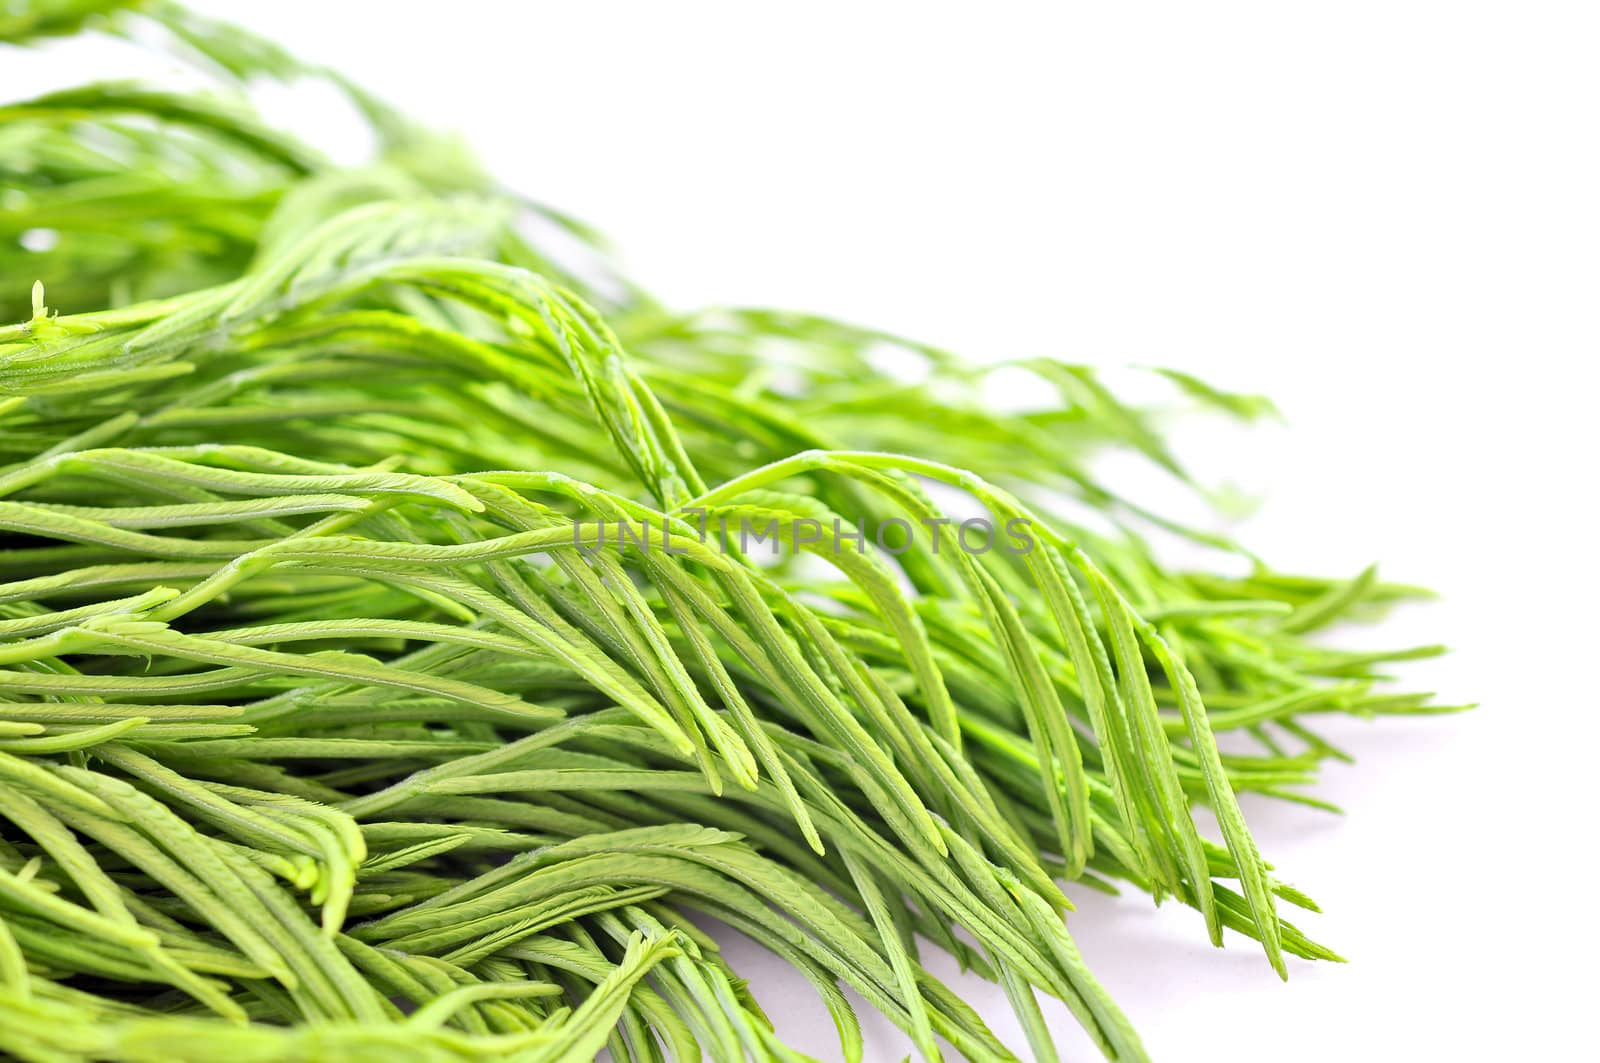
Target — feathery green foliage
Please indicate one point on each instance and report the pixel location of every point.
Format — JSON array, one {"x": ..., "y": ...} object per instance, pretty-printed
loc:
[{"x": 340, "y": 720}]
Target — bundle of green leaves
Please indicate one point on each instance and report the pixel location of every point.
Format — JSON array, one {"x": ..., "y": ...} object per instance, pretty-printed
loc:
[{"x": 380, "y": 679}]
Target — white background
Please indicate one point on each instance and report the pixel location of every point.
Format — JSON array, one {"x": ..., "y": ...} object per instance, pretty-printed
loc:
[{"x": 1385, "y": 215}]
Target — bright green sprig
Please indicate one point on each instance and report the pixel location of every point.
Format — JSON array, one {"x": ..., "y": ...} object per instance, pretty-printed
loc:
[{"x": 346, "y": 714}]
